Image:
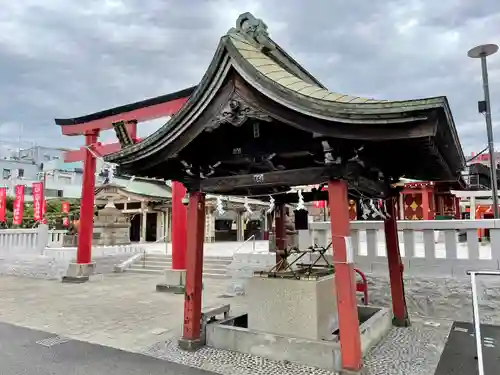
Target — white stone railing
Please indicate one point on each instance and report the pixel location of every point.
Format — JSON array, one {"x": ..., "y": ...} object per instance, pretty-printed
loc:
[
  {"x": 32, "y": 240},
  {"x": 56, "y": 237},
  {"x": 18, "y": 238},
  {"x": 427, "y": 246}
]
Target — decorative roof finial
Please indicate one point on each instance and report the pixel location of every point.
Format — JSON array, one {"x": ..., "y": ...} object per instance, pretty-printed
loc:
[{"x": 254, "y": 29}]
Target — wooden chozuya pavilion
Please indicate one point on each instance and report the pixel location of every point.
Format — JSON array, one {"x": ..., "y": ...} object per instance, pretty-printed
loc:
[{"x": 259, "y": 123}]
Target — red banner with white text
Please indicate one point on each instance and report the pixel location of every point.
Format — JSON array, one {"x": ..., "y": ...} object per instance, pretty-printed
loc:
[
  {"x": 65, "y": 210},
  {"x": 17, "y": 218},
  {"x": 3, "y": 204},
  {"x": 37, "y": 189}
]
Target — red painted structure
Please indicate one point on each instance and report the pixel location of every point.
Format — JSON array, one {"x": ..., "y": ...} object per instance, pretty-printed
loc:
[
  {"x": 395, "y": 266},
  {"x": 84, "y": 250},
  {"x": 179, "y": 227},
  {"x": 426, "y": 200},
  {"x": 350, "y": 340},
  {"x": 90, "y": 126}
]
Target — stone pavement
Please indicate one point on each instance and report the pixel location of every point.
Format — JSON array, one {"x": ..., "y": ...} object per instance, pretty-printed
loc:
[
  {"x": 117, "y": 310},
  {"x": 28, "y": 352},
  {"x": 124, "y": 311}
]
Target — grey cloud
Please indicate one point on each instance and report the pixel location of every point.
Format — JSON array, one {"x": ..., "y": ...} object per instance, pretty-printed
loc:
[{"x": 63, "y": 58}]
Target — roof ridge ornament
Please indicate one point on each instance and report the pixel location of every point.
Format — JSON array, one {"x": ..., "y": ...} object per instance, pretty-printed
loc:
[{"x": 254, "y": 30}]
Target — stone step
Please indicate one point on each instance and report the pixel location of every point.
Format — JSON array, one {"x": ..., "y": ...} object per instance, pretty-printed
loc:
[
  {"x": 160, "y": 268},
  {"x": 169, "y": 264},
  {"x": 168, "y": 258},
  {"x": 160, "y": 272}
]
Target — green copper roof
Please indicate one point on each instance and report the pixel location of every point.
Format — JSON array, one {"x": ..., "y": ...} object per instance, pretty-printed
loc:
[
  {"x": 250, "y": 40},
  {"x": 248, "y": 50},
  {"x": 144, "y": 188},
  {"x": 272, "y": 70}
]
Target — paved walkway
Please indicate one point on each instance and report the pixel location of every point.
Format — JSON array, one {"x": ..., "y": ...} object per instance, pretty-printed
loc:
[
  {"x": 122, "y": 311},
  {"x": 29, "y": 352}
]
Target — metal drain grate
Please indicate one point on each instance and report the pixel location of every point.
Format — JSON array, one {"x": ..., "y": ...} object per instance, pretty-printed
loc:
[{"x": 51, "y": 341}]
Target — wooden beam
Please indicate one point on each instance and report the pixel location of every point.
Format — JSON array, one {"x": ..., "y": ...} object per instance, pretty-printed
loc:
[
  {"x": 281, "y": 179},
  {"x": 219, "y": 185},
  {"x": 100, "y": 149},
  {"x": 145, "y": 110}
]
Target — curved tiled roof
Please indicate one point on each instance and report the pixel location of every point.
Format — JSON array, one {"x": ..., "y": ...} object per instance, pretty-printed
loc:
[
  {"x": 271, "y": 69},
  {"x": 262, "y": 63}
]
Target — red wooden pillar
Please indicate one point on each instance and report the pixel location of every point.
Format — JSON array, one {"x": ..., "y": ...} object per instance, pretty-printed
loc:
[
  {"x": 280, "y": 230},
  {"x": 192, "y": 300},
  {"x": 84, "y": 250},
  {"x": 426, "y": 214},
  {"x": 350, "y": 341},
  {"x": 401, "y": 318},
  {"x": 179, "y": 227},
  {"x": 458, "y": 214}
]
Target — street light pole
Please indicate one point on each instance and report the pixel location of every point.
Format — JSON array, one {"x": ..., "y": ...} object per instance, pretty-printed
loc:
[{"x": 482, "y": 52}]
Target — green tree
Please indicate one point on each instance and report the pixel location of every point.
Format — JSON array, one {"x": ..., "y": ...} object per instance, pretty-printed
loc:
[{"x": 54, "y": 214}]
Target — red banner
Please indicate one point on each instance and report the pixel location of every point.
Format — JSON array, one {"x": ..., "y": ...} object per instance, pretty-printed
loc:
[
  {"x": 3, "y": 204},
  {"x": 65, "y": 210},
  {"x": 18, "y": 205},
  {"x": 319, "y": 204},
  {"x": 65, "y": 207},
  {"x": 37, "y": 189}
]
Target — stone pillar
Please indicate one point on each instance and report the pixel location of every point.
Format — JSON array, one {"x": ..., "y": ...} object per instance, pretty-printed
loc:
[
  {"x": 111, "y": 227},
  {"x": 144, "y": 218},
  {"x": 167, "y": 225},
  {"x": 240, "y": 226},
  {"x": 160, "y": 222},
  {"x": 210, "y": 225},
  {"x": 472, "y": 208}
]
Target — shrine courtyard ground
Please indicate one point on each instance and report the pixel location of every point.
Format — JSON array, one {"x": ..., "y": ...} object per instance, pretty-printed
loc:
[{"x": 123, "y": 311}]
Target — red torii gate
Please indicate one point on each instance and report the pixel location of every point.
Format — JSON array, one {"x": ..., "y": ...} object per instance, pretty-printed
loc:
[{"x": 90, "y": 126}]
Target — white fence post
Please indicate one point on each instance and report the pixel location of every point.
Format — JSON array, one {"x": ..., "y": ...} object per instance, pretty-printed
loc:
[{"x": 42, "y": 239}]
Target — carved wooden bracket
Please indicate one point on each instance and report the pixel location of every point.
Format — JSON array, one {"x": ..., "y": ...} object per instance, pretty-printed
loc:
[{"x": 235, "y": 113}]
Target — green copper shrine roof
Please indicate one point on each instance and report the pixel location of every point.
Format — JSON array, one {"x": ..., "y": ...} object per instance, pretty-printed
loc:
[
  {"x": 271, "y": 69},
  {"x": 248, "y": 50}
]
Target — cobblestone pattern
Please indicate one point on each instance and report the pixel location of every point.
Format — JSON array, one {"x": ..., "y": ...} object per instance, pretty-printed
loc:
[
  {"x": 441, "y": 298},
  {"x": 226, "y": 362},
  {"x": 409, "y": 351},
  {"x": 404, "y": 351}
]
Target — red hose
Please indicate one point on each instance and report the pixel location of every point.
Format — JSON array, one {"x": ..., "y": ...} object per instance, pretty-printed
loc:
[{"x": 362, "y": 286}]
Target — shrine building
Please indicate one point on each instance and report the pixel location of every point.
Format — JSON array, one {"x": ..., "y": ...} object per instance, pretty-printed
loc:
[
  {"x": 148, "y": 205},
  {"x": 276, "y": 126}
]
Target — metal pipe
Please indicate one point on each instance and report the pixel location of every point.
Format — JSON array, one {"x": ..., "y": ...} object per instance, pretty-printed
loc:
[
  {"x": 477, "y": 325},
  {"x": 489, "y": 131},
  {"x": 484, "y": 273},
  {"x": 252, "y": 237}
]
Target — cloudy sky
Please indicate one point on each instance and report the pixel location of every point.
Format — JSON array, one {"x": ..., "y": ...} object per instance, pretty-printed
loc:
[{"x": 65, "y": 58}]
